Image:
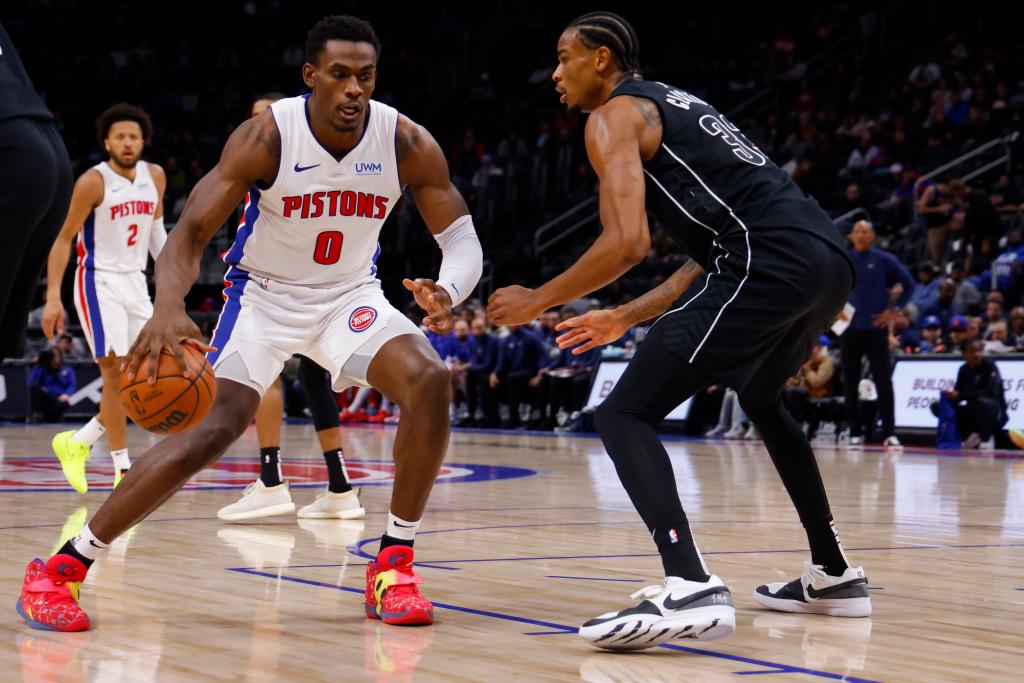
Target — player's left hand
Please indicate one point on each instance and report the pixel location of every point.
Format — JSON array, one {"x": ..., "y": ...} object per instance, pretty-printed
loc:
[
  {"x": 590, "y": 330},
  {"x": 435, "y": 301},
  {"x": 513, "y": 305}
]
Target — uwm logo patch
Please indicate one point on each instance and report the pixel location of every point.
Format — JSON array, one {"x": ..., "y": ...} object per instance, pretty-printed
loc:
[
  {"x": 362, "y": 318},
  {"x": 369, "y": 168}
]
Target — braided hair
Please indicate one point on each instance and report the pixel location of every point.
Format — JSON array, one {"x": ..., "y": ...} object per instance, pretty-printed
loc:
[{"x": 597, "y": 29}]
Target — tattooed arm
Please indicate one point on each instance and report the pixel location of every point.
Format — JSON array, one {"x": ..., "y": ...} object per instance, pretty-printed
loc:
[{"x": 597, "y": 328}]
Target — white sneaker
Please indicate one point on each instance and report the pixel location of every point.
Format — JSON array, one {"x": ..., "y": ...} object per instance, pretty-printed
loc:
[
  {"x": 259, "y": 500},
  {"x": 752, "y": 434},
  {"x": 989, "y": 445},
  {"x": 735, "y": 434},
  {"x": 973, "y": 440},
  {"x": 855, "y": 442},
  {"x": 334, "y": 506},
  {"x": 893, "y": 444},
  {"x": 818, "y": 593},
  {"x": 674, "y": 609}
]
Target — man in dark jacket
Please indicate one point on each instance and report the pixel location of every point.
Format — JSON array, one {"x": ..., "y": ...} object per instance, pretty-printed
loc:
[
  {"x": 978, "y": 396},
  {"x": 483, "y": 358},
  {"x": 877, "y": 272},
  {"x": 521, "y": 355}
]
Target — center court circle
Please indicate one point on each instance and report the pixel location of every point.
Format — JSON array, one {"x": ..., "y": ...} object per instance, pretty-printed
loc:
[{"x": 25, "y": 475}]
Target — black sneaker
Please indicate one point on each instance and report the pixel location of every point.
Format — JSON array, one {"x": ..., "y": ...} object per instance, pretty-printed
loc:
[{"x": 818, "y": 593}]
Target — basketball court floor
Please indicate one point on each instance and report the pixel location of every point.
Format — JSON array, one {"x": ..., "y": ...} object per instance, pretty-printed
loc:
[{"x": 526, "y": 537}]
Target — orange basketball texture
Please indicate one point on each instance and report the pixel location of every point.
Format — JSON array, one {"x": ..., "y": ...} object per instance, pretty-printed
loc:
[{"x": 174, "y": 402}]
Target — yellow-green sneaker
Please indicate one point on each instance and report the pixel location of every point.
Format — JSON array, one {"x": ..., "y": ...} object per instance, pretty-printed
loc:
[
  {"x": 72, "y": 455},
  {"x": 118, "y": 476}
]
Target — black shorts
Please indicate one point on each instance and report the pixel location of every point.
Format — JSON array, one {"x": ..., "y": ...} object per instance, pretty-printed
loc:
[
  {"x": 35, "y": 190},
  {"x": 739, "y": 316}
]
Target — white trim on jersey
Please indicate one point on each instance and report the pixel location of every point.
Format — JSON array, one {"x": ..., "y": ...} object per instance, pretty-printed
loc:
[
  {"x": 681, "y": 207},
  {"x": 746, "y": 234}
]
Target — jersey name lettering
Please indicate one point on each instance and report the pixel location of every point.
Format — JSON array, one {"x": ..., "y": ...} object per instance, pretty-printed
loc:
[
  {"x": 335, "y": 203},
  {"x": 133, "y": 208}
]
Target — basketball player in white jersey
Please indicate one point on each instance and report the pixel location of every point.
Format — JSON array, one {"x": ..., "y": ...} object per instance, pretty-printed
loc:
[
  {"x": 322, "y": 174},
  {"x": 270, "y": 495},
  {"x": 117, "y": 214}
]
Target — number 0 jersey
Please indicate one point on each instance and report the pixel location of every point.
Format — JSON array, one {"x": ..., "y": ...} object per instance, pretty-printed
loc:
[
  {"x": 708, "y": 183},
  {"x": 318, "y": 224},
  {"x": 116, "y": 235}
]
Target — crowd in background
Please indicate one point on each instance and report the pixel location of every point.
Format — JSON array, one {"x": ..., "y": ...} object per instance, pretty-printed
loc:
[{"x": 855, "y": 103}]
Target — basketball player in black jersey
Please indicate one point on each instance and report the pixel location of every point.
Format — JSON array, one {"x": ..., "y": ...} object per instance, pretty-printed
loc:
[
  {"x": 767, "y": 273},
  {"x": 35, "y": 190}
]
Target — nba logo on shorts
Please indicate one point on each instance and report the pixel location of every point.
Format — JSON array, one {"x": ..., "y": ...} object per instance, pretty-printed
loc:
[
  {"x": 673, "y": 536},
  {"x": 362, "y": 318}
]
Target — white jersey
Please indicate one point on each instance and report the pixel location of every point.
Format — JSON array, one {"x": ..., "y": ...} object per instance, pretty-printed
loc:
[
  {"x": 116, "y": 235},
  {"x": 318, "y": 224}
]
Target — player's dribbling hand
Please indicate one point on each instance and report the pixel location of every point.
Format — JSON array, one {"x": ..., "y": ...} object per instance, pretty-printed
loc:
[
  {"x": 512, "y": 305},
  {"x": 590, "y": 330},
  {"x": 435, "y": 301},
  {"x": 53, "y": 319},
  {"x": 165, "y": 330}
]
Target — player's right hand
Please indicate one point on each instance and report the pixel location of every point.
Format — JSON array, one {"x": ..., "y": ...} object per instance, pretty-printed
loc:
[
  {"x": 590, "y": 330},
  {"x": 53, "y": 319},
  {"x": 168, "y": 329}
]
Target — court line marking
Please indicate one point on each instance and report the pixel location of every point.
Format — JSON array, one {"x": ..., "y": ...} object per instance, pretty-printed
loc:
[
  {"x": 592, "y": 578},
  {"x": 773, "y": 667}
]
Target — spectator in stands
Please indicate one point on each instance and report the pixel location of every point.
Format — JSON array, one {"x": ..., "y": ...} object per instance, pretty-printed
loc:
[
  {"x": 460, "y": 354},
  {"x": 569, "y": 381},
  {"x": 1007, "y": 267},
  {"x": 895, "y": 210},
  {"x": 479, "y": 393},
  {"x": 997, "y": 338},
  {"x": 51, "y": 384},
  {"x": 813, "y": 380},
  {"x": 978, "y": 396},
  {"x": 876, "y": 273},
  {"x": 1006, "y": 197},
  {"x": 940, "y": 205},
  {"x": 945, "y": 307},
  {"x": 993, "y": 313},
  {"x": 521, "y": 355},
  {"x": 926, "y": 292},
  {"x": 546, "y": 327},
  {"x": 967, "y": 297},
  {"x": 70, "y": 347},
  {"x": 1016, "y": 332},
  {"x": 931, "y": 337},
  {"x": 959, "y": 334},
  {"x": 865, "y": 156}
]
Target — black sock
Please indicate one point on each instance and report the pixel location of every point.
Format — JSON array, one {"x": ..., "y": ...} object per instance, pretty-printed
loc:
[
  {"x": 337, "y": 483},
  {"x": 270, "y": 466},
  {"x": 679, "y": 554},
  {"x": 386, "y": 541},
  {"x": 68, "y": 549},
  {"x": 825, "y": 548}
]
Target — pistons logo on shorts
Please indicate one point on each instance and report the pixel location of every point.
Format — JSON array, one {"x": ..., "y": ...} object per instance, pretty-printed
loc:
[{"x": 362, "y": 318}]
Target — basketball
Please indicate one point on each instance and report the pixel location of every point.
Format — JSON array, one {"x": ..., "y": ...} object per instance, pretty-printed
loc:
[{"x": 174, "y": 402}]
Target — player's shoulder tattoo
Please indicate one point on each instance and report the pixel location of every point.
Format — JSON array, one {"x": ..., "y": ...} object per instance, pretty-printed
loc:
[
  {"x": 647, "y": 109},
  {"x": 406, "y": 138},
  {"x": 270, "y": 138}
]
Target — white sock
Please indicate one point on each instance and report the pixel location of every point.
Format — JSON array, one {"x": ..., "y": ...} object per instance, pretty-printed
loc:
[
  {"x": 90, "y": 433},
  {"x": 121, "y": 460},
  {"x": 401, "y": 529},
  {"x": 87, "y": 544}
]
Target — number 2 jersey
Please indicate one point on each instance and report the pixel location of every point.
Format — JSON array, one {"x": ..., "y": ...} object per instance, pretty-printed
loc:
[
  {"x": 116, "y": 236},
  {"x": 708, "y": 185},
  {"x": 317, "y": 225}
]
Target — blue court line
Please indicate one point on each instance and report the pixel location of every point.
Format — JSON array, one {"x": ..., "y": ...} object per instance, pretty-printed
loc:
[
  {"x": 772, "y": 667},
  {"x": 592, "y": 578}
]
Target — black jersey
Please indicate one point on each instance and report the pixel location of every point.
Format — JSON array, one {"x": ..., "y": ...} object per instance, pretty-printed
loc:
[
  {"x": 707, "y": 182},
  {"x": 18, "y": 99}
]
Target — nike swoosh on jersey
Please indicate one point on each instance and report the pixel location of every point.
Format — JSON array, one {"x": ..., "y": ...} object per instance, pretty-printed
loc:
[{"x": 300, "y": 169}]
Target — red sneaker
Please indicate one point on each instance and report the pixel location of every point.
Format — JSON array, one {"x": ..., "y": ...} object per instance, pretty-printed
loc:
[
  {"x": 49, "y": 595},
  {"x": 391, "y": 592},
  {"x": 356, "y": 417},
  {"x": 379, "y": 418}
]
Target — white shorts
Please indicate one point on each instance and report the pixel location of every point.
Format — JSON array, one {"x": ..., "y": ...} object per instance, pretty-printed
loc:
[
  {"x": 264, "y": 323},
  {"x": 112, "y": 308}
]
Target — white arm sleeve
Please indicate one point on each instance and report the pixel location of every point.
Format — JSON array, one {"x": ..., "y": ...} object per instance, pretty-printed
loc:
[
  {"x": 462, "y": 259},
  {"x": 157, "y": 237}
]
